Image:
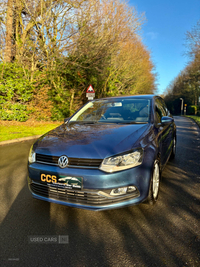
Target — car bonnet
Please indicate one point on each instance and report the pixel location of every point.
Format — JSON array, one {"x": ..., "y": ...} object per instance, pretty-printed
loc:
[{"x": 90, "y": 140}]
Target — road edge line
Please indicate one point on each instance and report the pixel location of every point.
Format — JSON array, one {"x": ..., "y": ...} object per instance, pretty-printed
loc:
[{"x": 17, "y": 140}]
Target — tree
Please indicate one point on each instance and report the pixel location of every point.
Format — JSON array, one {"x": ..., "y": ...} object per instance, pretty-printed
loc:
[
  {"x": 131, "y": 70},
  {"x": 63, "y": 46},
  {"x": 193, "y": 42},
  {"x": 187, "y": 84}
]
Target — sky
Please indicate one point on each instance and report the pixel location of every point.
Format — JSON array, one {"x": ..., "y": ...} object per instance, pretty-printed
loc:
[{"x": 164, "y": 34}]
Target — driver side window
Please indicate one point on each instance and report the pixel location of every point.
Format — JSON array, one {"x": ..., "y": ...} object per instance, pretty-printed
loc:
[
  {"x": 158, "y": 115},
  {"x": 159, "y": 111}
]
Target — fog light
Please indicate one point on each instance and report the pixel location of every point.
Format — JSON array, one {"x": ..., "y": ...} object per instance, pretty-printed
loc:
[
  {"x": 131, "y": 189},
  {"x": 118, "y": 191}
]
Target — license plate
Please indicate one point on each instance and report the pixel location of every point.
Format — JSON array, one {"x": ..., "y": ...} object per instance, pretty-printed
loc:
[{"x": 55, "y": 180}]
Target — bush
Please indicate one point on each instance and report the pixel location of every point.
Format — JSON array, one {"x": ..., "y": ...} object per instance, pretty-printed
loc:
[
  {"x": 192, "y": 110},
  {"x": 15, "y": 93},
  {"x": 13, "y": 112}
]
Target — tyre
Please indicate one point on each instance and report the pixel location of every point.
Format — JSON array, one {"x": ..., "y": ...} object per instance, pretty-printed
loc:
[
  {"x": 154, "y": 184},
  {"x": 173, "y": 153}
]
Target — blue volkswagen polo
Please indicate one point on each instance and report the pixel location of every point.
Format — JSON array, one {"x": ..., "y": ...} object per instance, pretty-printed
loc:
[{"x": 109, "y": 154}]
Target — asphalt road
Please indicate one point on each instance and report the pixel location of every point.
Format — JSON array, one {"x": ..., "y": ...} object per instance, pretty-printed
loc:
[{"x": 166, "y": 234}]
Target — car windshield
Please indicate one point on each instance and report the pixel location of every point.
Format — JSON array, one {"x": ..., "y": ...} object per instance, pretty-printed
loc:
[{"x": 114, "y": 111}]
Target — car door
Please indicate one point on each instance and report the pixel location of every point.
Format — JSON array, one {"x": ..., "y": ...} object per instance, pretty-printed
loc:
[{"x": 164, "y": 131}]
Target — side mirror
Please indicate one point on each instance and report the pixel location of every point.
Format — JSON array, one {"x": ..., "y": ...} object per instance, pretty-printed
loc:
[
  {"x": 66, "y": 120},
  {"x": 166, "y": 120}
]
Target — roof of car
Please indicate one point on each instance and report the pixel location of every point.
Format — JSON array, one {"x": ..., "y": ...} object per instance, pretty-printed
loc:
[{"x": 130, "y": 96}]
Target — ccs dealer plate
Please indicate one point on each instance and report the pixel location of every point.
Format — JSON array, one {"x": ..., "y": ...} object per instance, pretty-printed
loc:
[{"x": 56, "y": 180}]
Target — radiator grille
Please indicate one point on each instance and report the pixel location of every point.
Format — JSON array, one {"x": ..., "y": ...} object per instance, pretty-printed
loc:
[{"x": 76, "y": 162}]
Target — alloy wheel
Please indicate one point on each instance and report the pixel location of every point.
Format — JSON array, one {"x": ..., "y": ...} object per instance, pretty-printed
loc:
[{"x": 156, "y": 181}]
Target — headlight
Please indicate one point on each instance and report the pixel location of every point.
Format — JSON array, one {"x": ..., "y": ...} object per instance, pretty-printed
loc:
[
  {"x": 31, "y": 157},
  {"x": 122, "y": 162}
]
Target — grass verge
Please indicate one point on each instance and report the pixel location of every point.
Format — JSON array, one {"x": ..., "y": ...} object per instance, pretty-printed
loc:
[
  {"x": 195, "y": 118},
  {"x": 12, "y": 129}
]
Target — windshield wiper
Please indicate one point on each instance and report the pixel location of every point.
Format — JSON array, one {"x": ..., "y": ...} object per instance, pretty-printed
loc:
[
  {"x": 133, "y": 122},
  {"x": 87, "y": 122}
]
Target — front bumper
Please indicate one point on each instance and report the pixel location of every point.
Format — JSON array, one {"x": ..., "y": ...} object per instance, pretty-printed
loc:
[{"x": 97, "y": 185}]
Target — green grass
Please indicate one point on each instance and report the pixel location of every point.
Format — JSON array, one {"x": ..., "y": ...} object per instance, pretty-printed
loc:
[
  {"x": 196, "y": 118},
  {"x": 12, "y": 130}
]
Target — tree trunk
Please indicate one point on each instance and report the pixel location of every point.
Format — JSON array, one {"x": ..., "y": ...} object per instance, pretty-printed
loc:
[
  {"x": 9, "y": 32},
  {"x": 71, "y": 101}
]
